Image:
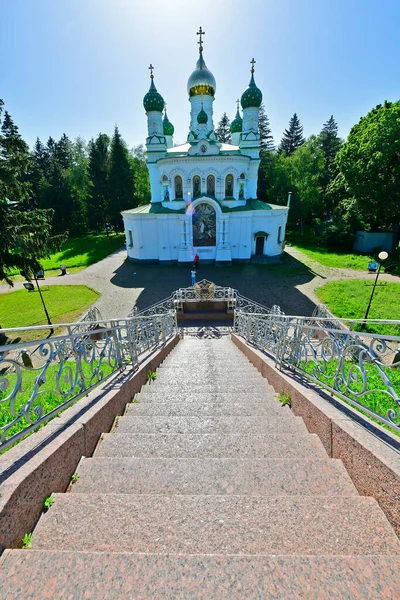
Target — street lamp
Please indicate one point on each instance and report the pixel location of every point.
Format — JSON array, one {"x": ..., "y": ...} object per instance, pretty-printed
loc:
[
  {"x": 30, "y": 287},
  {"x": 382, "y": 256}
]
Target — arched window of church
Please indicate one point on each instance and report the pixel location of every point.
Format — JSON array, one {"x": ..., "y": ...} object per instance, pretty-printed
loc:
[
  {"x": 178, "y": 187},
  {"x": 229, "y": 185},
  {"x": 211, "y": 185},
  {"x": 196, "y": 186}
]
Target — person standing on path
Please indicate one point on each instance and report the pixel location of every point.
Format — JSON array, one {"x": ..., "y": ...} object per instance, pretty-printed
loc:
[
  {"x": 197, "y": 261},
  {"x": 193, "y": 273}
]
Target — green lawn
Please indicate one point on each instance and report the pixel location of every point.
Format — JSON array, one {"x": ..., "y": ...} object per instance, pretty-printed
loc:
[
  {"x": 349, "y": 299},
  {"x": 78, "y": 253},
  {"x": 336, "y": 259},
  {"x": 65, "y": 303}
]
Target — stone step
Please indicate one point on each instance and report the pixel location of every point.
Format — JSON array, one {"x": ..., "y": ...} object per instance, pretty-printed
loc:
[
  {"x": 219, "y": 385},
  {"x": 244, "y": 407},
  {"x": 39, "y": 574},
  {"x": 182, "y": 445},
  {"x": 306, "y": 525},
  {"x": 192, "y": 424},
  {"x": 214, "y": 476},
  {"x": 151, "y": 394}
]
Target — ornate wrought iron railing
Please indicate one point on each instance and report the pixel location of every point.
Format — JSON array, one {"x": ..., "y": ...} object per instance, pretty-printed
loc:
[
  {"x": 203, "y": 291},
  {"x": 42, "y": 377},
  {"x": 363, "y": 369}
]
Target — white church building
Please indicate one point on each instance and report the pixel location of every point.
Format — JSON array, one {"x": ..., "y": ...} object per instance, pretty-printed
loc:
[{"x": 204, "y": 193}]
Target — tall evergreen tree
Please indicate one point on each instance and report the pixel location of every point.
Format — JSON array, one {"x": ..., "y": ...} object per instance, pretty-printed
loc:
[
  {"x": 330, "y": 143},
  {"x": 99, "y": 167},
  {"x": 14, "y": 161},
  {"x": 57, "y": 189},
  {"x": 140, "y": 175},
  {"x": 264, "y": 129},
  {"x": 292, "y": 137},
  {"x": 120, "y": 181},
  {"x": 223, "y": 130},
  {"x": 25, "y": 235}
]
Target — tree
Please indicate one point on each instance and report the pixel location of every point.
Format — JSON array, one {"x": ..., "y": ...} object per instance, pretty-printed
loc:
[
  {"x": 25, "y": 234},
  {"x": 306, "y": 165},
  {"x": 140, "y": 175},
  {"x": 120, "y": 181},
  {"x": 369, "y": 167},
  {"x": 330, "y": 143},
  {"x": 14, "y": 161},
  {"x": 99, "y": 167},
  {"x": 292, "y": 137},
  {"x": 264, "y": 129},
  {"x": 59, "y": 188},
  {"x": 223, "y": 130}
]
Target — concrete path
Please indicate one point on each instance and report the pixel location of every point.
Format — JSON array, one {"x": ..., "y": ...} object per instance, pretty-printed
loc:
[
  {"x": 182, "y": 501},
  {"x": 123, "y": 284}
]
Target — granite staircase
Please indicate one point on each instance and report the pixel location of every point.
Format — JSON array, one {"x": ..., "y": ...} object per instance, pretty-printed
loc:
[{"x": 208, "y": 488}]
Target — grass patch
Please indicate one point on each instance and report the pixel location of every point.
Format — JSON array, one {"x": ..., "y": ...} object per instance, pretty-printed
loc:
[
  {"x": 349, "y": 300},
  {"x": 78, "y": 253},
  {"x": 65, "y": 303},
  {"x": 335, "y": 259},
  {"x": 48, "y": 398}
]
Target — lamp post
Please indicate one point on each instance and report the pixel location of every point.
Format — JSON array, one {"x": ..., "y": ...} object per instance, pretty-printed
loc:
[
  {"x": 382, "y": 256},
  {"x": 44, "y": 306}
]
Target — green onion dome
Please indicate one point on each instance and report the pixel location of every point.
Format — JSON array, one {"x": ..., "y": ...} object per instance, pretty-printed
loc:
[
  {"x": 153, "y": 100},
  {"x": 201, "y": 81},
  {"x": 252, "y": 97},
  {"x": 237, "y": 123},
  {"x": 202, "y": 116},
  {"x": 168, "y": 128}
]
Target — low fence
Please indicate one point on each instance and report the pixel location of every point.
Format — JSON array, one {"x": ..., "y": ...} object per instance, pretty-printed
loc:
[
  {"x": 360, "y": 368},
  {"x": 204, "y": 291},
  {"x": 42, "y": 377}
]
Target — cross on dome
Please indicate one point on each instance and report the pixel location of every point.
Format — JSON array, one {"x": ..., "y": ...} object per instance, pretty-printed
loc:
[
  {"x": 151, "y": 71},
  {"x": 200, "y": 42},
  {"x": 237, "y": 103},
  {"x": 252, "y": 62}
]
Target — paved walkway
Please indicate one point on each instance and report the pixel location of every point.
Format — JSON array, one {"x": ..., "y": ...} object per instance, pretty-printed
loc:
[{"x": 123, "y": 284}]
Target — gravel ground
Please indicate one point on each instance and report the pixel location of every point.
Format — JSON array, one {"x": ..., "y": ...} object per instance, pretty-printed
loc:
[{"x": 123, "y": 284}]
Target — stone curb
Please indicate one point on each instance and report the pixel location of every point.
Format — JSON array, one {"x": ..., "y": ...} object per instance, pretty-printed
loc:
[
  {"x": 373, "y": 465},
  {"x": 44, "y": 462}
]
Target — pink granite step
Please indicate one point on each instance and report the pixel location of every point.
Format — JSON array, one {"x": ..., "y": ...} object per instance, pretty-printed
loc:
[
  {"x": 35, "y": 575},
  {"x": 226, "y": 424},
  {"x": 153, "y": 394},
  {"x": 249, "y": 407},
  {"x": 293, "y": 525},
  {"x": 182, "y": 445},
  {"x": 215, "y": 476}
]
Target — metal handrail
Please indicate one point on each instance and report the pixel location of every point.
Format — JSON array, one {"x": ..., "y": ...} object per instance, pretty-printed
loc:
[
  {"x": 358, "y": 367},
  {"x": 62, "y": 369}
]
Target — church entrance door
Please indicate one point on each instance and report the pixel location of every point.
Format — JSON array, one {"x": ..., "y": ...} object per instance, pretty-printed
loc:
[{"x": 260, "y": 246}]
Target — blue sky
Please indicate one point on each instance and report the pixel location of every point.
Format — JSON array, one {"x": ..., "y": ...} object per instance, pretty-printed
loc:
[{"x": 81, "y": 66}]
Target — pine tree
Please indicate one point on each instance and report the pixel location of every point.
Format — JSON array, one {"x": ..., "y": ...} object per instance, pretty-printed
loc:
[
  {"x": 264, "y": 129},
  {"x": 223, "y": 130},
  {"x": 58, "y": 190},
  {"x": 120, "y": 181},
  {"x": 99, "y": 167},
  {"x": 14, "y": 161},
  {"x": 292, "y": 137},
  {"x": 140, "y": 175},
  {"x": 330, "y": 143},
  {"x": 25, "y": 235}
]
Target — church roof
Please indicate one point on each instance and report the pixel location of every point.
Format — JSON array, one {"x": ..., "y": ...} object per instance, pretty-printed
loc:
[
  {"x": 184, "y": 148},
  {"x": 158, "y": 208}
]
